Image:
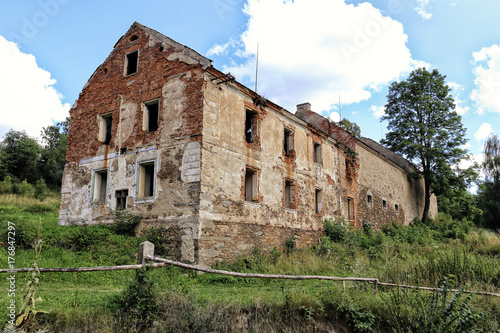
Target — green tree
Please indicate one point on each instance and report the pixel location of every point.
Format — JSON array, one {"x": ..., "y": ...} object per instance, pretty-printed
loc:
[
  {"x": 425, "y": 128},
  {"x": 53, "y": 153},
  {"x": 488, "y": 197},
  {"x": 351, "y": 127},
  {"x": 19, "y": 156}
]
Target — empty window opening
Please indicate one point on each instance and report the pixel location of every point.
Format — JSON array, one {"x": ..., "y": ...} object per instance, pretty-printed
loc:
[
  {"x": 251, "y": 193},
  {"x": 350, "y": 209},
  {"x": 250, "y": 126},
  {"x": 287, "y": 142},
  {"x": 123, "y": 151},
  {"x": 289, "y": 194},
  {"x": 134, "y": 37},
  {"x": 384, "y": 204},
  {"x": 121, "y": 199},
  {"x": 105, "y": 128},
  {"x": 369, "y": 199},
  {"x": 146, "y": 181},
  {"x": 317, "y": 153},
  {"x": 100, "y": 186},
  {"x": 131, "y": 60},
  {"x": 396, "y": 208},
  {"x": 318, "y": 199},
  {"x": 151, "y": 115}
]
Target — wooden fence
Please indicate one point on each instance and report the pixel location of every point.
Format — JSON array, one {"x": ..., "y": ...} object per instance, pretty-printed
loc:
[{"x": 146, "y": 258}]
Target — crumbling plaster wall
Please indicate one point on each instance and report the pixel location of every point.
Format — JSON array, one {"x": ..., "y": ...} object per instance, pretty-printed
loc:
[
  {"x": 169, "y": 74},
  {"x": 384, "y": 180},
  {"x": 229, "y": 225}
]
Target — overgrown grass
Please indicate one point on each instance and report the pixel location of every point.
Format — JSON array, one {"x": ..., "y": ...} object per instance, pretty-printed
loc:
[{"x": 181, "y": 301}]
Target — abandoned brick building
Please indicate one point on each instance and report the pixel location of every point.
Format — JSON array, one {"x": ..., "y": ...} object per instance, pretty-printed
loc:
[{"x": 160, "y": 132}]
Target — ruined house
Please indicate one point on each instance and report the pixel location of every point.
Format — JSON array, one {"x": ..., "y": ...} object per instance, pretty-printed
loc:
[{"x": 160, "y": 132}]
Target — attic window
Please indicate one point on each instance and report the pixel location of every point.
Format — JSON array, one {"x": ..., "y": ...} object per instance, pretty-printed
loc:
[
  {"x": 161, "y": 49},
  {"x": 105, "y": 127},
  {"x": 150, "y": 121},
  {"x": 131, "y": 60},
  {"x": 134, "y": 37}
]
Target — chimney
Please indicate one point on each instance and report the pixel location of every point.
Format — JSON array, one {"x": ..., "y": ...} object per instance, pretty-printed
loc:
[{"x": 303, "y": 109}]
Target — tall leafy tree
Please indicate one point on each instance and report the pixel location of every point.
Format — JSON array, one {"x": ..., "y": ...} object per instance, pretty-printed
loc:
[
  {"x": 489, "y": 192},
  {"x": 425, "y": 128},
  {"x": 491, "y": 165},
  {"x": 351, "y": 127},
  {"x": 53, "y": 153},
  {"x": 19, "y": 156}
]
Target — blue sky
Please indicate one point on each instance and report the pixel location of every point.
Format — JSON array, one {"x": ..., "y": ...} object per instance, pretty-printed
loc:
[{"x": 316, "y": 51}]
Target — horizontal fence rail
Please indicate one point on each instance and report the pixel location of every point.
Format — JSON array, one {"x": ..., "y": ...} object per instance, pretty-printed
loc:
[{"x": 146, "y": 250}]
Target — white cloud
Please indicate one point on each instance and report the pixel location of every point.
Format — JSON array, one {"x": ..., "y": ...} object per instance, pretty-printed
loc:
[
  {"x": 315, "y": 50},
  {"x": 28, "y": 99},
  {"x": 378, "y": 111},
  {"x": 487, "y": 81},
  {"x": 483, "y": 132},
  {"x": 422, "y": 9},
  {"x": 456, "y": 91},
  {"x": 335, "y": 116}
]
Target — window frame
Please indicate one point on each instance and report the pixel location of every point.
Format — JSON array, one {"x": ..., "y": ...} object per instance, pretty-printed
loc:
[
  {"x": 97, "y": 184},
  {"x": 126, "y": 65},
  {"x": 318, "y": 201},
  {"x": 288, "y": 143},
  {"x": 105, "y": 131},
  {"x": 289, "y": 188},
  {"x": 251, "y": 191},
  {"x": 317, "y": 153},
  {"x": 140, "y": 179},
  {"x": 121, "y": 198},
  {"x": 146, "y": 120},
  {"x": 251, "y": 124},
  {"x": 350, "y": 209}
]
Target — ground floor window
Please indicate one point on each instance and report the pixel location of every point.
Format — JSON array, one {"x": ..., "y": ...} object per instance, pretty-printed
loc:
[
  {"x": 121, "y": 199},
  {"x": 146, "y": 179},
  {"x": 100, "y": 186}
]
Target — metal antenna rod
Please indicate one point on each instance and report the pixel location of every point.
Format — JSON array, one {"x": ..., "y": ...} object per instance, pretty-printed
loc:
[{"x": 257, "y": 67}]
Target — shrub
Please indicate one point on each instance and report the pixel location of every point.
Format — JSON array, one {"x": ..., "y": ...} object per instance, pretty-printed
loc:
[
  {"x": 160, "y": 238},
  {"x": 335, "y": 230},
  {"x": 6, "y": 186},
  {"x": 41, "y": 190},
  {"x": 139, "y": 304},
  {"x": 125, "y": 222}
]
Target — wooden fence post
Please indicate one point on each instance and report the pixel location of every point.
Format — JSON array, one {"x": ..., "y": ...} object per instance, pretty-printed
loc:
[{"x": 145, "y": 249}]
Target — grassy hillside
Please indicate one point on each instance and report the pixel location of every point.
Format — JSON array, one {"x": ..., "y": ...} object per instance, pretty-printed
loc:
[{"x": 445, "y": 253}]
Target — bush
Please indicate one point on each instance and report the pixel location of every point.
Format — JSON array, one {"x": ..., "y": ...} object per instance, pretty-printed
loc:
[
  {"x": 139, "y": 304},
  {"x": 125, "y": 222},
  {"x": 41, "y": 190},
  {"x": 335, "y": 230},
  {"x": 6, "y": 186},
  {"x": 160, "y": 238}
]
